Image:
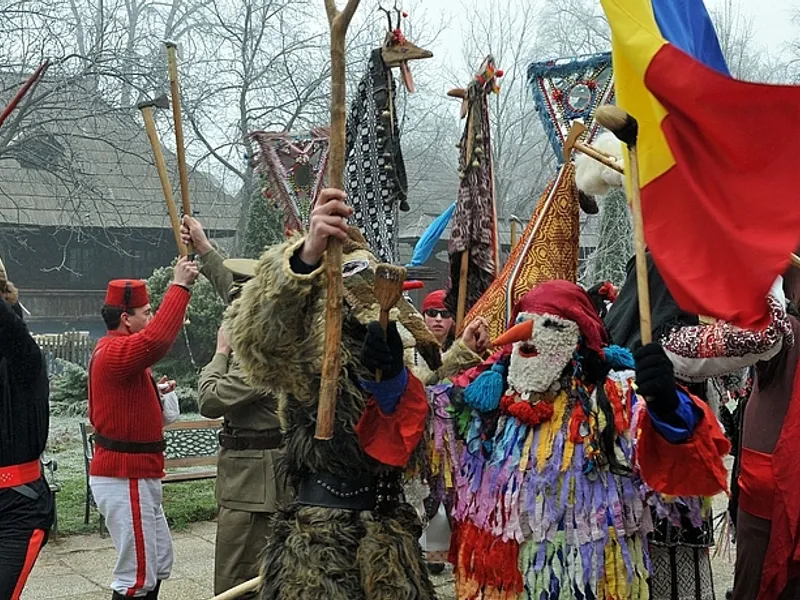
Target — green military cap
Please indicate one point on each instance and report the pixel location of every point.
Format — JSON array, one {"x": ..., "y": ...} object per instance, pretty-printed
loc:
[{"x": 241, "y": 267}]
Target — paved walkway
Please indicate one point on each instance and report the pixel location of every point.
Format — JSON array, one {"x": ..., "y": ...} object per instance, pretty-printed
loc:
[{"x": 79, "y": 568}]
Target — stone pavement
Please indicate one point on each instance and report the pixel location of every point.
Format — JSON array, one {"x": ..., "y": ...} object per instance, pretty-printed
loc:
[{"x": 79, "y": 568}]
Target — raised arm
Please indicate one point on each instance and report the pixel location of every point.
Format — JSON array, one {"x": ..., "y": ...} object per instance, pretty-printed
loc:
[
  {"x": 703, "y": 351},
  {"x": 133, "y": 353},
  {"x": 18, "y": 348},
  {"x": 272, "y": 324},
  {"x": 210, "y": 258},
  {"x": 221, "y": 386}
]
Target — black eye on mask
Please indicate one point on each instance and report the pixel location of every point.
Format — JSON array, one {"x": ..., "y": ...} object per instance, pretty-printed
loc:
[{"x": 551, "y": 324}]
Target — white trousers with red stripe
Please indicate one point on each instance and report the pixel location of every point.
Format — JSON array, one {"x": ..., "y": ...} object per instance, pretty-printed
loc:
[{"x": 135, "y": 519}]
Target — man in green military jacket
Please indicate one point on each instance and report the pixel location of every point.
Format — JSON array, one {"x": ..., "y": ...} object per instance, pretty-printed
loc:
[{"x": 249, "y": 487}]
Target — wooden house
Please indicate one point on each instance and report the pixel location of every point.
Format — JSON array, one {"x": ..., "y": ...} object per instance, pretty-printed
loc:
[{"x": 81, "y": 203}]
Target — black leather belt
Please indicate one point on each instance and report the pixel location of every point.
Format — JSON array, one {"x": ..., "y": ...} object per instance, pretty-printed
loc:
[
  {"x": 267, "y": 440},
  {"x": 328, "y": 491},
  {"x": 129, "y": 447}
]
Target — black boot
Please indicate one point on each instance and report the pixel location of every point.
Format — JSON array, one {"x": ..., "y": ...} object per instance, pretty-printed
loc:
[
  {"x": 115, "y": 595},
  {"x": 153, "y": 594}
]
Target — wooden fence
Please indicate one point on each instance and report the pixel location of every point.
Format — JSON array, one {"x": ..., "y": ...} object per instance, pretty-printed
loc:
[{"x": 73, "y": 346}]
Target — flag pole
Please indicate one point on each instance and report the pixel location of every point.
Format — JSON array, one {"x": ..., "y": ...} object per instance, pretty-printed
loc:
[{"x": 626, "y": 129}]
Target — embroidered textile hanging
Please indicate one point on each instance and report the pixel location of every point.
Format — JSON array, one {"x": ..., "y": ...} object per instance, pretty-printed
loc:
[
  {"x": 375, "y": 174},
  {"x": 295, "y": 167},
  {"x": 547, "y": 249},
  {"x": 569, "y": 89}
]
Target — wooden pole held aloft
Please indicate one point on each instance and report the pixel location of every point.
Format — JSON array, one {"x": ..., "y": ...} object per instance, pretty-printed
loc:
[
  {"x": 183, "y": 173},
  {"x": 332, "y": 359},
  {"x": 161, "y": 166}
]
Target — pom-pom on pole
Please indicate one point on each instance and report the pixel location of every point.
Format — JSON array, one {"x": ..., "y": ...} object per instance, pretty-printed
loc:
[{"x": 626, "y": 129}]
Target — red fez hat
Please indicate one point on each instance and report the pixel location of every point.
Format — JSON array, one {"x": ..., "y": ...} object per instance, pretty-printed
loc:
[{"x": 127, "y": 293}]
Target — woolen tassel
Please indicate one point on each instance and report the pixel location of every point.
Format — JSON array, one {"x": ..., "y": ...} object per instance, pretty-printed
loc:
[
  {"x": 485, "y": 392},
  {"x": 618, "y": 358}
]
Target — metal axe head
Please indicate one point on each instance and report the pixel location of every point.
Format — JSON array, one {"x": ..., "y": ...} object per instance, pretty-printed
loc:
[{"x": 161, "y": 102}]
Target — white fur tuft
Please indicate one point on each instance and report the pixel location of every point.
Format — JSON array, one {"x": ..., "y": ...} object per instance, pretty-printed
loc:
[{"x": 593, "y": 177}]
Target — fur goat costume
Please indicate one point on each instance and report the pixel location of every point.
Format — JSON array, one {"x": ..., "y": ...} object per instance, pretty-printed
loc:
[{"x": 277, "y": 329}]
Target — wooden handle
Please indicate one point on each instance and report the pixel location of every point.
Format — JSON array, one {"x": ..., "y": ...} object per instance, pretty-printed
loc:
[
  {"x": 598, "y": 156},
  {"x": 172, "y": 60},
  {"x": 383, "y": 319},
  {"x": 795, "y": 261},
  {"x": 240, "y": 590},
  {"x": 161, "y": 166},
  {"x": 331, "y": 362},
  {"x": 462, "y": 289},
  {"x": 645, "y": 322},
  {"x": 513, "y": 235}
]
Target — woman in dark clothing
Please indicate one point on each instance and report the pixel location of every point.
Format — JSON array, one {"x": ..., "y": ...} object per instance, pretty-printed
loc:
[
  {"x": 26, "y": 504},
  {"x": 679, "y": 545}
]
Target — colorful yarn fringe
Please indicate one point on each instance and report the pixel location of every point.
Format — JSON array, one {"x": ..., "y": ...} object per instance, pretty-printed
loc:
[{"x": 534, "y": 521}]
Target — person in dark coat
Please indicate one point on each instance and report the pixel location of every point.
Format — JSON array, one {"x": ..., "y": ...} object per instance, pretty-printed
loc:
[{"x": 27, "y": 509}]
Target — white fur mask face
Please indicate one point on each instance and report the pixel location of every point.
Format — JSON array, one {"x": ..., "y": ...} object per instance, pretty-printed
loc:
[{"x": 537, "y": 364}]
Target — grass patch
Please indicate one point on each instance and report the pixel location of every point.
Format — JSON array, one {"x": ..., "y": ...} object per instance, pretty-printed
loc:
[{"x": 184, "y": 503}]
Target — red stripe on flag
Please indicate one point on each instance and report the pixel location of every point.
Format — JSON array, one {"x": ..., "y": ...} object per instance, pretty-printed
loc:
[
  {"x": 723, "y": 220},
  {"x": 138, "y": 537},
  {"x": 34, "y": 546}
]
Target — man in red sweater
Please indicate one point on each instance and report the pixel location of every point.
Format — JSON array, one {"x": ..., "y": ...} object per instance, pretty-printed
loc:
[{"x": 125, "y": 410}]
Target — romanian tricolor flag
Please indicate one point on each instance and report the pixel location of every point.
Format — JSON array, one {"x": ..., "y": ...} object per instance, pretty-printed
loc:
[{"x": 719, "y": 167}]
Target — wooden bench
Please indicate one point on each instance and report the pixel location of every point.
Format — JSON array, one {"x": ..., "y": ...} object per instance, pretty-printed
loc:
[{"x": 190, "y": 444}]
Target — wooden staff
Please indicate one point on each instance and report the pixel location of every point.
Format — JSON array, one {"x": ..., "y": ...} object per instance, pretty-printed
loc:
[
  {"x": 172, "y": 60},
  {"x": 150, "y": 125},
  {"x": 240, "y": 590},
  {"x": 625, "y": 127},
  {"x": 331, "y": 362},
  {"x": 573, "y": 143}
]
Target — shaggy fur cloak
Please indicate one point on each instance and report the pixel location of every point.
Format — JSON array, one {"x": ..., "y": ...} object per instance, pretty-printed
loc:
[{"x": 277, "y": 329}]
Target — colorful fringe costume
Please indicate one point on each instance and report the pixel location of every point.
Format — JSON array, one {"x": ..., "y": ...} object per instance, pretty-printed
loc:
[{"x": 540, "y": 450}]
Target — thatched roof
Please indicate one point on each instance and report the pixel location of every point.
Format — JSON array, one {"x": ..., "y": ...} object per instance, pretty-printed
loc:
[{"x": 76, "y": 161}]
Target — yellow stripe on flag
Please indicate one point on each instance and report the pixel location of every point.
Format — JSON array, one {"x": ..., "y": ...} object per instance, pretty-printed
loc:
[{"x": 635, "y": 40}]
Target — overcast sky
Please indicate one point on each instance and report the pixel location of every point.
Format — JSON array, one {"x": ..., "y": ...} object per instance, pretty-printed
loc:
[{"x": 772, "y": 20}]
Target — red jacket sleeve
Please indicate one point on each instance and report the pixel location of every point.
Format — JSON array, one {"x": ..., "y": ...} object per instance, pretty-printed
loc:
[
  {"x": 391, "y": 439},
  {"x": 132, "y": 354},
  {"x": 691, "y": 468}
]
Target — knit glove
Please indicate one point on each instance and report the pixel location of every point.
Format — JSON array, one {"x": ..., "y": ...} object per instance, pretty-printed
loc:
[
  {"x": 655, "y": 380},
  {"x": 385, "y": 354}
]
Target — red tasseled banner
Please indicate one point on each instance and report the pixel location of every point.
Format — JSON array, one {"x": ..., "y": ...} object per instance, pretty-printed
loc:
[{"x": 621, "y": 420}]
